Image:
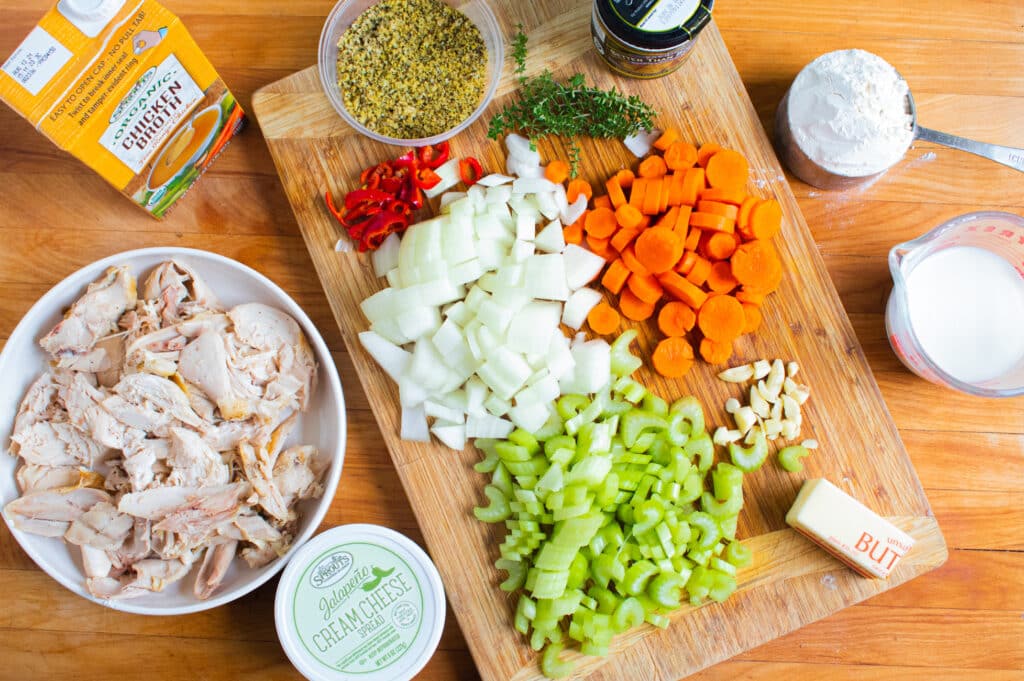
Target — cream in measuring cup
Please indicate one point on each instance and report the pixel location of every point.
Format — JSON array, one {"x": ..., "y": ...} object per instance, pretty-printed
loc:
[{"x": 956, "y": 312}]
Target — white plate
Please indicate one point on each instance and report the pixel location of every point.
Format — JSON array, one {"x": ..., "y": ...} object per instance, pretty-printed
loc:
[{"x": 322, "y": 425}]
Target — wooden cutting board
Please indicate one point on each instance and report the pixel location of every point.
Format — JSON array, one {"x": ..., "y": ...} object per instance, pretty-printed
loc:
[{"x": 791, "y": 582}]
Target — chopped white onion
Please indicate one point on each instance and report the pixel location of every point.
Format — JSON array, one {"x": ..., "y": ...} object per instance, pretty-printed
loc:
[
  {"x": 494, "y": 180},
  {"x": 449, "y": 198},
  {"x": 581, "y": 266},
  {"x": 529, "y": 417},
  {"x": 449, "y": 174},
  {"x": 575, "y": 210},
  {"x": 391, "y": 358},
  {"x": 452, "y": 435},
  {"x": 487, "y": 425},
  {"x": 533, "y": 185},
  {"x": 551, "y": 238},
  {"x": 545, "y": 277},
  {"x": 414, "y": 424},
  {"x": 385, "y": 258},
  {"x": 640, "y": 143},
  {"x": 520, "y": 146},
  {"x": 579, "y": 305}
]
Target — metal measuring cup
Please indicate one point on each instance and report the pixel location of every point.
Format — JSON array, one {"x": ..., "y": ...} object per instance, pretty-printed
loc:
[{"x": 816, "y": 175}]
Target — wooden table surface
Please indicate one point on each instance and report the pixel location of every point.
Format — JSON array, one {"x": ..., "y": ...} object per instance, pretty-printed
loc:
[{"x": 963, "y": 61}]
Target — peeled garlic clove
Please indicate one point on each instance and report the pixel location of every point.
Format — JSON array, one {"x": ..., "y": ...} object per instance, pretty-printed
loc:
[
  {"x": 731, "y": 405},
  {"x": 790, "y": 407},
  {"x": 723, "y": 436},
  {"x": 809, "y": 444},
  {"x": 791, "y": 369},
  {"x": 761, "y": 368},
  {"x": 737, "y": 374},
  {"x": 758, "y": 403},
  {"x": 790, "y": 429},
  {"x": 745, "y": 418}
]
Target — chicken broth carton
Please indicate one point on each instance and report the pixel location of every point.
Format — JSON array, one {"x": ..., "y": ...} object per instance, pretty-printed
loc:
[{"x": 122, "y": 86}]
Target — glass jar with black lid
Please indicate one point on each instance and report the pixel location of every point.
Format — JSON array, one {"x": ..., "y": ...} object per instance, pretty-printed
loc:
[{"x": 647, "y": 38}]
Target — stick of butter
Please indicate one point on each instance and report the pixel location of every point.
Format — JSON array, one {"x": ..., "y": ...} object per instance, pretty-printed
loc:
[{"x": 848, "y": 529}]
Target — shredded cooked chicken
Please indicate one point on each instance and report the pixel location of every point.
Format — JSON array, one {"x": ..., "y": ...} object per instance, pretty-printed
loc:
[{"x": 156, "y": 440}]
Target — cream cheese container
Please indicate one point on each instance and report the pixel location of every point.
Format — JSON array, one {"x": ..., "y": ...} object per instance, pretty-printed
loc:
[{"x": 360, "y": 602}]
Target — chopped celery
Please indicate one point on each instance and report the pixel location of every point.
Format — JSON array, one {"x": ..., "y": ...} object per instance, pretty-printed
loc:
[
  {"x": 789, "y": 458},
  {"x": 497, "y": 510},
  {"x": 614, "y": 512},
  {"x": 623, "y": 362},
  {"x": 749, "y": 459},
  {"x": 738, "y": 554}
]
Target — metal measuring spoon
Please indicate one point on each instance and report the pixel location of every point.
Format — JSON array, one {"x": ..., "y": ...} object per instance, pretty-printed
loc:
[{"x": 1008, "y": 156}]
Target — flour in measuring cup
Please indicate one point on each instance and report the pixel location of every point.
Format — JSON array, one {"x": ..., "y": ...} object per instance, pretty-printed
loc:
[
  {"x": 848, "y": 113},
  {"x": 967, "y": 310}
]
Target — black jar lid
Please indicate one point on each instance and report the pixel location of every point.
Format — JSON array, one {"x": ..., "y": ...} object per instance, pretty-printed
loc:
[{"x": 624, "y": 19}]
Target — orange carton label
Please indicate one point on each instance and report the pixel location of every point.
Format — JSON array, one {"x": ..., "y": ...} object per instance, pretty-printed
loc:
[{"x": 125, "y": 89}]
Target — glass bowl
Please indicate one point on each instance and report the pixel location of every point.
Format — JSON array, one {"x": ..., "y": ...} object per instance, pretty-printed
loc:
[{"x": 346, "y": 12}]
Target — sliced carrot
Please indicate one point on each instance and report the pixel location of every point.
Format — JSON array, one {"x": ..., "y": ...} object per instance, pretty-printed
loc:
[
  {"x": 615, "y": 193},
  {"x": 615, "y": 276},
  {"x": 686, "y": 263},
  {"x": 602, "y": 201},
  {"x": 752, "y": 317},
  {"x": 638, "y": 192},
  {"x": 692, "y": 239},
  {"x": 693, "y": 184},
  {"x": 743, "y": 217},
  {"x": 706, "y": 151},
  {"x": 680, "y": 289},
  {"x": 667, "y": 139},
  {"x": 680, "y": 156},
  {"x": 698, "y": 274},
  {"x": 658, "y": 249},
  {"x": 652, "y": 166},
  {"x": 749, "y": 296},
  {"x": 645, "y": 222},
  {"x": 676, "y": 188},
  {"x": 625, "y": 178},
  {"x": 573, "y": 234},
  {"x": 756, "y": 265},
  {"x": 715, "y": 352},
  {"x": 645, "y": 287},
  {"x": 676, "y": 318},
  {"x": 711, "y": 221},
  {"x": 624, "y": 237},
  {"x": 665, "y": 187},
  {"x": 600, "y": 247},
  {"x": 629, "y": 260},
  {"x": 723, "y": 195},
  {"x": 603, "y": 319},
  {"x": 721, "y": 318},
  {"x": 557, "y": 171},
  {"x": 634, "y": 308},
  {"x": 719, "y": 245},
  {"x": 627, "y": 216},
  {"x": 720, "y": 279},
  {"x": 668, "y": 219},
  {"x": 765, "y": 219},
  {"x": 652, "y": 198},
  {"x": 726, "y": 210},
  {"x": 601, "y": 222},
  {"x": 577, "y": 187},
  {"x": 682, "y": 226},
  {"x": 728, "y": 169},
  {"x": 672, "y": 357}
]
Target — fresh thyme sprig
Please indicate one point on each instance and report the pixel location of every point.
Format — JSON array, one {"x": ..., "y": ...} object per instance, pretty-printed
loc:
[{"x": 571, "y": 109}]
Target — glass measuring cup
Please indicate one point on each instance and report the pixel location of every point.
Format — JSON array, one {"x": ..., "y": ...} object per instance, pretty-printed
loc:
[{"x": 998, "y": 233}]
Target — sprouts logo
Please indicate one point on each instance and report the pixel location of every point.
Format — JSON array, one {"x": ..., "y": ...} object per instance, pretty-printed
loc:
[
  {"x": 130, "y": 97},
  {"x": 331, "y": 569}
]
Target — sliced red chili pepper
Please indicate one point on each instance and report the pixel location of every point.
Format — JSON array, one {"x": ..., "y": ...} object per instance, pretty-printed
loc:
[
  {"x": 379, "y": 227},
  {"x": 470, "y": 171},
  {"x": 412, "y": 195},
  {"x": 433, "y": 155},
  {"x": 332, "y": 208},
  {"x": 425, "y": 178},
  {"x": 406, "y": 160},
  {"x": 397, "y": 206},
  {"x": 391, "y": 184},
  {"x": 358, "y": 196}
]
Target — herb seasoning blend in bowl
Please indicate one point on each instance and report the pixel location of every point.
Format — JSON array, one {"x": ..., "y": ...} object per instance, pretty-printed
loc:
[
  {"x": 360, "y": 602},
  {"x": 410, "y": 72}
]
